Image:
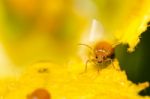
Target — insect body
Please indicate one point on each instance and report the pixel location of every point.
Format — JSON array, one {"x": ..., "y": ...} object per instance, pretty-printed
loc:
[{"x": 102, "y": 52}]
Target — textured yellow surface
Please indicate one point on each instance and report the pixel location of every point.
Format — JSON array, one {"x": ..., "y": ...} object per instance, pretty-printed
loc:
[
  {"x": 122, "y": 20},
  {"x": 71, "y": 83}
]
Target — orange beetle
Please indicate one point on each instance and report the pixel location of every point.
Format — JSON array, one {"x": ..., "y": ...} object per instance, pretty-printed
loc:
[{"x": 103, "y": 52}]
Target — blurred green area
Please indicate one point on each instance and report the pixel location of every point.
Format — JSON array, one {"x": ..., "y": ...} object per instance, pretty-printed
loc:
[{"x": 137, "y": 64}]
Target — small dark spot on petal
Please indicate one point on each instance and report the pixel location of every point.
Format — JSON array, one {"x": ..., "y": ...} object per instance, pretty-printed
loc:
[{"x": 43, "y": 70}]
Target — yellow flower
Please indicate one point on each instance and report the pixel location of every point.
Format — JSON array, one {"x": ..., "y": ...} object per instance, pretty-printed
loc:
[
  {"x": 122, "y": 21},
  {"x": 65, "y": 83}
]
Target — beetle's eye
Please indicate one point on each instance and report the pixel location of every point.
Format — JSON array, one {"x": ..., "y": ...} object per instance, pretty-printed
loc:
[{"x": 96, "y": 57}]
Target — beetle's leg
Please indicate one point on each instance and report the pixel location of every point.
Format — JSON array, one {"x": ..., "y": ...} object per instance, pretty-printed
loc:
[
  {"x": 86, "y": 46},
  {"x": 113, "y": 64},
  {"x": 101, "y": 65},
  {"x": 95, "y": 61},
  {"x": 109, "y": 59},
  {"x": 92, "y": 60},
  {"x": 86, "y": 64}
]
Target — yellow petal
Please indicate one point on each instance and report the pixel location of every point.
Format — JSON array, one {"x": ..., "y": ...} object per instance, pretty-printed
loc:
[{"x": 69, "y": 83}]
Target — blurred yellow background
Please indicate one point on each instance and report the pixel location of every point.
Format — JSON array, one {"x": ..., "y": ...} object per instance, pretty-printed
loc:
[
  {"x": 36, "y": 30},
  {"x": 49, "y": 30}
]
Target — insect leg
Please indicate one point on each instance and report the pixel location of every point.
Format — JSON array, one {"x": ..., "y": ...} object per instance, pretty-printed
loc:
[
  {"x": 86, "y": 64},
  {"x": 97, "y": 64},
  {"x": 101, "y": 65},
  {"x": 90, "y": 60},
  {"x": 86, "y": 46},
  {"x": 112, "y": 63}
]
